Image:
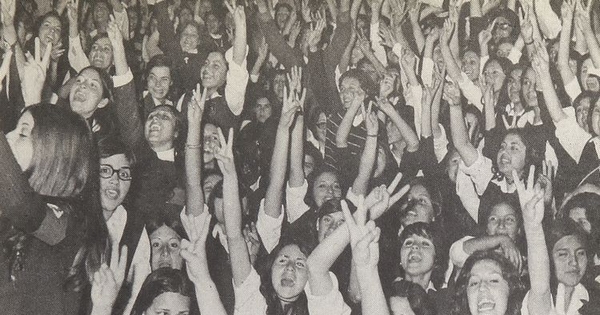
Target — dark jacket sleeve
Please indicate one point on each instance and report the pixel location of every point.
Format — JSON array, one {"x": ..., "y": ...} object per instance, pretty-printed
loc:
[
  {"x": 127, "y": 114},
  {"x": 168, "y": 38},
  {"x": 286, "y": 55},
  {"x": 20, "y": 204},
  {"x": 341, "y": 37}
]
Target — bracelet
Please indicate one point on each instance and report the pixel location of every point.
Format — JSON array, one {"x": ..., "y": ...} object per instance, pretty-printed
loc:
[
  {"x": 193, "y": 146},
  {"x": 375, "y": 135}
]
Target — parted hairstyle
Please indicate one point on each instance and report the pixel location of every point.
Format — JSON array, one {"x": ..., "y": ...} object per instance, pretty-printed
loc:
[
  {"x": 509, "y": 273},
  {"x": 59, "y": 165},
  {"x": 161, "y": 281}
]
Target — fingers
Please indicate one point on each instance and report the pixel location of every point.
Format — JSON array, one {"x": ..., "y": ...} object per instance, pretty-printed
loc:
[
  {"x": 394, "y": 183},
  {"x": 230, "y": 143},
  {"x": 5, "y": 64},
  {"x": 37, "y": 53},
  {"x": 531, "y": 177},
  {"x": 403, "y": 191},
  {"x": 518, "y": 183}
]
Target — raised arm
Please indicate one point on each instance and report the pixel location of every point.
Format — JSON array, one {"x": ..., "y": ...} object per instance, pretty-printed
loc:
[
  {"x": 532, "y": 204},
  {"x": 194, "y": 254},
  {"x": 582, "y": 19},
  {"x": 540, "y": 62},
  {"x": 567, "y": 10},
  {"x": 279, "y": 160},
  {"x": 409, "y": 135},
  {"x": 341, "y": 136},
  {"x": 107, "y": 281},
  {"x": 460, "y": 137},
  {"x": 297, "y": 143},
  {"x": 367, "y": 159},
  {"x": 237, "y": 74},
  {"x": 451, "y": 65},
  {"x": 416, "y": 27},
  {"x": 193, "y": 154}
]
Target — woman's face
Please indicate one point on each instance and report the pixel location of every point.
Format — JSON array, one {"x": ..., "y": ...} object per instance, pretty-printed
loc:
[
  {"x": 209, "y": 184},
  {"x": 86, "y": 93},
  {"x": 185, "y": 16},
  {"x": 101, "y": 54},
  {"x": 570, "y": 260},
  {"x": 528, "y": 87},
  {"x": 214, "y": 71},
  {"x": 470, "y": 65},
  {"x": 326, "y": 187},
  {"x": 50, "y": 31},
  {"x": 494, "y": 75},
  {"x": 512, "y": 155},
  {"x": 161, "y": 129},
  {"x": 213, "y": 24},
  {"x": 596, "y": 118},
  {"x": 289, "y": 273},
  {"x": 418, "y": 208},
  {"x": 350, "y": 90},
  {"x": 321, "y": 134},
  {"x": 113, "y": 189},
  {"x": 170, "y": 303},
  {"x": 101, "y": 13},
  {"x": 159, "y": 82},
  {"x": 281, "y": 16},
  {"x": 189, "y": 39},
  {"x": 502, "y": 29},
  {"x": 165, "y": 243},
  {"x": 329, "y": 223},
  {"x": 503, "y": 221},
  {"x": 262, "y": 110},
  {"x": 589, "y": 82},
  {"x": 487, "y": 290},
  {"x": 417, "y": 255},
  {"x": 20, "y": 141},
  {"x": 581, "y": 113},
  {"x": 514, "y": 85},
  {"x": 211, "y": 141},
  {"x": 579, "y": 215},
  {"x": 279, "y": 84}
]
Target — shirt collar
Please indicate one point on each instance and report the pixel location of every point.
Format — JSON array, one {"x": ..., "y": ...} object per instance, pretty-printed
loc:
[
  {"x": 168, "y": 155},
  {"x": 579, "y": 294},
  {"x": 156, "y": 101}
]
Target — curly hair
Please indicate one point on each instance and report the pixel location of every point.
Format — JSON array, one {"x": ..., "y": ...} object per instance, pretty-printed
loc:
[{"x": 509, "y": 273}]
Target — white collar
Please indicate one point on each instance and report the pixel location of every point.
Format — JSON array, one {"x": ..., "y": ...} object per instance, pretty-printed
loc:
[
  {"x": 116, "y": 224},
  {"x": 579, "y": 294},
  {"x": 155, "y": 100},
  {"x": 430, "y": 286},
  {"x": 168, "y": 155},
  {"x": 215, "y": 36}
]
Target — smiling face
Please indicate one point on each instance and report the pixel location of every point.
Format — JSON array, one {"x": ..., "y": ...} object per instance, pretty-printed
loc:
[
  {"x": 589, "y": 82},
  {"x": 50, "y": 31},
  {"x": 159, "y": 82},
  {"x": 581, "y": 113},
  {"x": 189, "y": 39},
  {"x": 170, "y": 303},
  {"x": 21, "y": 142},
  {"x": 86, "y": 93},
  {"x": 570, "y": 260},
  {"x": 418, "y": 208},
  {"x": 326, "y": 187},
  {"x": 101, "y": 54},
  {"x": 321, "y": 133},
  {"x": 470, "y": 65},
  {"x": 350, "y": 90},
  {"x": 289, "y": 273},
  {"x": 160, "y": 130},
  {"x": 512, "y": 155},
  {"x": 417, "y": 256},
  {"x": 329, "y": 223},
  {"x": 503, "y": 221},
  {"x": 113, "y": 190},
  {"x": 514, "y": 85},
  {"x": 487, "y": 290},
  {"x": 165, "y": 243},
  {"x": 214, "y": 71}
]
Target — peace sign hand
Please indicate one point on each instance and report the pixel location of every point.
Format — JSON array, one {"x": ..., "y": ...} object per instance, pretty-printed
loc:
[
  {"x": 364, "y": 236},
  {"x": 107, "y": 281},
  {"x": 224, "y": 154},
  {"x": 196, "y": 106},
  {"x": 381, "y": 199},
  {"x": 194, "y": 252},
  {"x": 531, "y": 199},
  {"x": 34, "y": 74}
]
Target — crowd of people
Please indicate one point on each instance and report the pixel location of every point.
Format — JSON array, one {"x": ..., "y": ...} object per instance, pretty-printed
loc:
[{"x": 299, "y": 157}]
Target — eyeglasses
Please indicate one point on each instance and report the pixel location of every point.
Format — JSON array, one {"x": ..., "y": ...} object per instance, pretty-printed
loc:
[{"x": 106, "y": 171}]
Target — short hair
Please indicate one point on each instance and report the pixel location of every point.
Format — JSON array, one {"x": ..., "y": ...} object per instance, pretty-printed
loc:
[
  {"x": 427, "y": 231},
  {"x": 167, "y": 215},
  {"x": 62, "y": 147},
  {"x": 161, "y": 281},
  {"x": 363, "y": 79},
  {"x": 160, "y": 60},
  {"x": 112, "y": 145},
  {"x": 106, "y": 80},
  {"x": 509, "y": 273},
  {"x": 44, "y": 17}
]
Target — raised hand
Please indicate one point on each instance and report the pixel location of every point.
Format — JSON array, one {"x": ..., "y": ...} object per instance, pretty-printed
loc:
[
  {"x": 73, "y": 12},
  {"x": 238, "y": 13},
  {"x": 8, "y": 11},
  {"x": 380, "y": 199},
  {"x": 107, "y": 281},
  {"x": 526, "y": 25},
  {"x": 540, "y": 59},
  {"x": 512, "y": 253},
  {"x": 511, "y": 125},
  {"x": 194, "y": 252},
  {"x": 306, "y": 11},
  {"x": 295, "y": 79},
  {"x": 364, "y": 236},
  {"x": 386, "y": 86},
  {"x": 485, "y": 35},
  {"x": 113, "y": 31},
  {"x": 252, "y": 240},
  {"x": 567, "y": 10},
  {"x": 196, "y": 106},
  {"x": 371, "y": 120},
  {"x": 316, "y": 31},
  {"x": 224, "y": 154},
  {"x": 545, "y": 180},
  {"x": 5, "y": 65},
  {"x": 531, "y": 197},
  {"x": 387, "y": 36},
  {"x": 448, "y": 30},
  {"x": 452, "y": 94},
  {"x": 34, "y": 74}
]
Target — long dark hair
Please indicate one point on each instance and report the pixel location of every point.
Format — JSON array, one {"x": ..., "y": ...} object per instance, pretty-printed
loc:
[
  {"x": 509, "y": 273},
  {"x": 264, "y": 265},
  {"x": 161, "y": 281}
]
